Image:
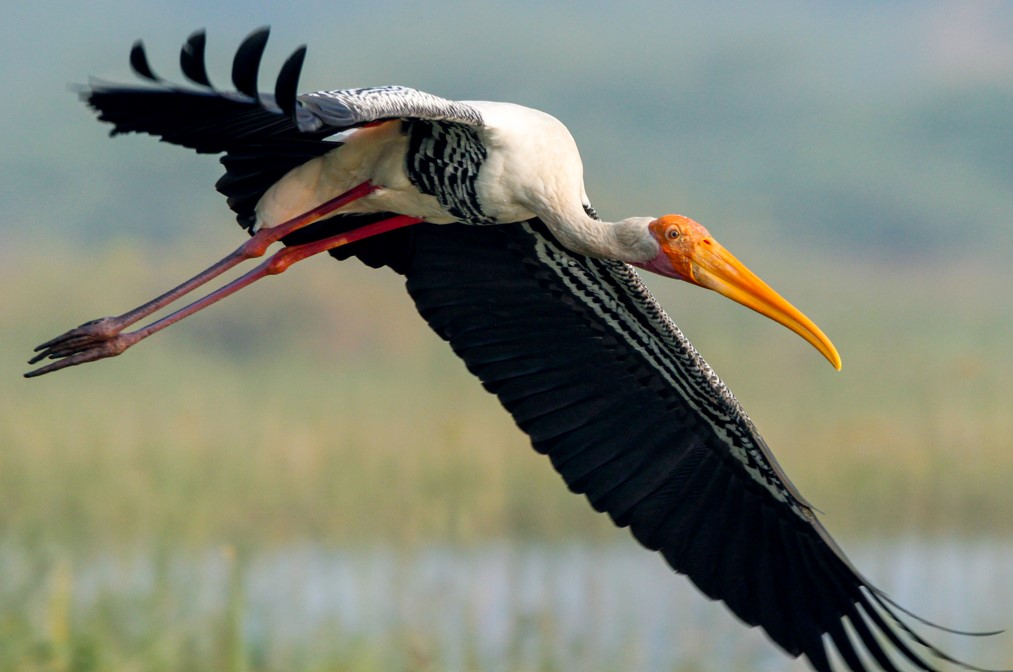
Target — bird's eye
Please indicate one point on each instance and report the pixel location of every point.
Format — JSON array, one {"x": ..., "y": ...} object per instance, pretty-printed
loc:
[{"x": 673, "y": 233}]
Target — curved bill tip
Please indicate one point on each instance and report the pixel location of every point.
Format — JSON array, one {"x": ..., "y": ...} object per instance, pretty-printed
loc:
[
  {"x": 827, "y": 349},
  {"x": 833, "y": 357},
  {"x": 719, "y": 270}
]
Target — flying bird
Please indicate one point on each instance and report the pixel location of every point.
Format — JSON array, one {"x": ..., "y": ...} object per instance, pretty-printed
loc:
[{"x": 481, "y": 207}]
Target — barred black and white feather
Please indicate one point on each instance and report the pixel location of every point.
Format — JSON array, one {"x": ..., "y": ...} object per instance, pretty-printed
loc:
[
  {"x": 343, "y": 108},
  {"x": 444, "y": 160}
]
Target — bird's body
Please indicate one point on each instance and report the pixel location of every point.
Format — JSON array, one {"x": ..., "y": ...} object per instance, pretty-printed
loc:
[
  {"x": 513, "y": 164},
  {"x": 489, "y": 160},
  {"x": 483, "y": 210}
]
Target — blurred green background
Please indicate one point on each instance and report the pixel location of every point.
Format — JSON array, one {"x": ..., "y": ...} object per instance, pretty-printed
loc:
[{"x": 858, "y": 156}]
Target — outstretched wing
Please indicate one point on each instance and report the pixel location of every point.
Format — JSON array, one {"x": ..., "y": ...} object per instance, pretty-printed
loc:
[
  {"x": 594, "y": 371},
  {"x": 262, "y": 136}
]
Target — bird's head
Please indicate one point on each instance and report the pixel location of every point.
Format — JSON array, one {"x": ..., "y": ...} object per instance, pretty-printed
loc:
[{"x": 688, "y": 252}]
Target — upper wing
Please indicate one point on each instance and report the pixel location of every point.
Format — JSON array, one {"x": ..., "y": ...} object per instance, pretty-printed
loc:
[
  {"x": 606, "y": 385},
  {"x": 209, "y": 120},
  {"x": 343, "y": 108},
  {"x": 263, "y": 136},
  {"x": 198, "y": 115}
]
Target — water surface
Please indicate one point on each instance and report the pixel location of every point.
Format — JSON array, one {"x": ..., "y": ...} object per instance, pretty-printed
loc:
[{"x": 502, "y": 606}]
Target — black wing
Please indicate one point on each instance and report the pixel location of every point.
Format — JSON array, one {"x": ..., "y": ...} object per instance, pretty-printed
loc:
[
  {"x": 262, "y": 136},
  {"x": 258, "y": 133},
  {"x": 630, "y": 415}
]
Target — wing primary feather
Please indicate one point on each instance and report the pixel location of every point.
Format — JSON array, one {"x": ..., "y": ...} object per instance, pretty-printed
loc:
[
  {"x": 728, "y": 543},
  {"x": 287, "y": 84},
  {"x": 246, "y": 64},
  {"x": 834, "y": 597},
  {"x": 880, "y": 595},
  {"x": 191, "y": 59},
  {"x": 712, "y": 541},
  {"x": 838, "y": 597},
  {"x": 681, "y": 529},
  {"x": 662, "y": 530},
  {"x": 839, "y": 636},
  {"x": 139, "y": 63},
  {"x": 805, "y": 628},
  {"x": 818, "y": 660},
  {"x": 884, "y": 603},
  {"x": 750, "y": 545},
  {"x": 771, "y": 600},
  {"x": 830, "y": 578},
  {"x": 893, "y": 637}
]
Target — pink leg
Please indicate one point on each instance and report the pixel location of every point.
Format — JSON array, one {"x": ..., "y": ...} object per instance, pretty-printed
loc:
[
  {"x": 278, "y": 263},
  {"x": 107, "y": 327},
  {"x": 103, "y": 338}
]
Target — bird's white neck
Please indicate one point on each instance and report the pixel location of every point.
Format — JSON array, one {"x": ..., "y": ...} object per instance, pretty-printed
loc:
[{"x": 627, "y": 240}]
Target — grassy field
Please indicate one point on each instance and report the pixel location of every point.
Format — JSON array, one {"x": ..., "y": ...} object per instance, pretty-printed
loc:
[{"x": 318, "y": 407}]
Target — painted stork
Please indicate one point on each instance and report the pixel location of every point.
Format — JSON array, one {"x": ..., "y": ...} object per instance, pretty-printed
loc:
[{"x": 483, "y": 211}]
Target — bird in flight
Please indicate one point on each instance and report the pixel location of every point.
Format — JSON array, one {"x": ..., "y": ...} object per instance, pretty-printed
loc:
[{"x": 481, "y": 207}]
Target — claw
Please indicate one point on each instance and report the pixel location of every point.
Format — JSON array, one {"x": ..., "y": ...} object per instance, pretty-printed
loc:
[
  {"x": 92, "y": 340},
  {"x": 101, "y": 329},
  {"x": 72, "y": 356},
  {"x": 103, "y": 337},
  {"x": 87, "y": 336}
]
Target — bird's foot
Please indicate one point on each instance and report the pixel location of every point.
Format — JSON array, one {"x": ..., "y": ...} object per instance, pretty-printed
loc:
[{"x": 93, "y": 340}]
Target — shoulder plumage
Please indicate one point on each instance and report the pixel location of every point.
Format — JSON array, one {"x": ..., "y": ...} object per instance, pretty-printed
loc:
[{"x": 352, "y": 107}]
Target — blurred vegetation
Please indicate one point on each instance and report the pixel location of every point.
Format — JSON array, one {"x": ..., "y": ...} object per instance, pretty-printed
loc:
[{"x": 319, "y": 406}]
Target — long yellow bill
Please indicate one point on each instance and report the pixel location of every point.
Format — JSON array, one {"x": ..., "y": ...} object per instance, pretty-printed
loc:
[{"x": 696, "y": 257}]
